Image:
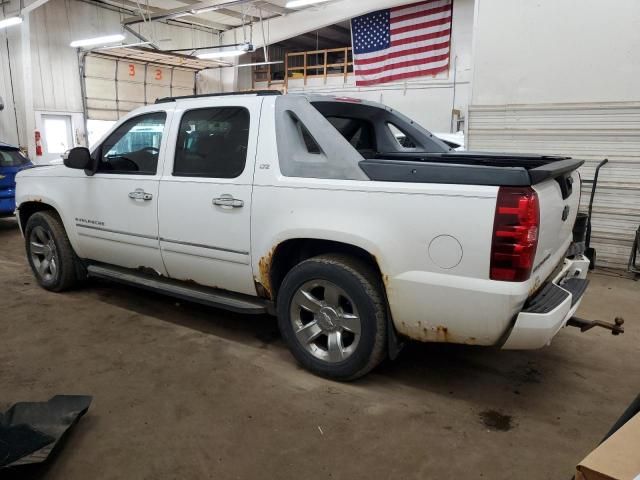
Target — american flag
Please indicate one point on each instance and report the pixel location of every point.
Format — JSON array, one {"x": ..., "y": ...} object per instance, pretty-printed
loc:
[{"x": 402, "y": 42}]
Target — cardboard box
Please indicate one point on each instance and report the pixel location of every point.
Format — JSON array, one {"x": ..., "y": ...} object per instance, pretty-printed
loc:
[{"x": 616, "y": 459}]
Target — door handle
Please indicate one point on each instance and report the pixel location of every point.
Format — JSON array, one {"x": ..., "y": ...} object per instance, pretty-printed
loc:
[
  {"x": 227, "y": 201},
  {"x": 140, "y": 194}
]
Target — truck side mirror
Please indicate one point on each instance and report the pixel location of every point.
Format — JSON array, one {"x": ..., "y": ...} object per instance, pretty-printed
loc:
[{"x": 78, "y": 157}]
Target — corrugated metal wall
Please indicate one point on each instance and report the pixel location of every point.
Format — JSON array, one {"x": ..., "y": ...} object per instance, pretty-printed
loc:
[{"x": 589, "y": 131}]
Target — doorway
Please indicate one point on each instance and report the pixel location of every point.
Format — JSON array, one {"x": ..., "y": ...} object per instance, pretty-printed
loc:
[{"x": 57, "y": 136}]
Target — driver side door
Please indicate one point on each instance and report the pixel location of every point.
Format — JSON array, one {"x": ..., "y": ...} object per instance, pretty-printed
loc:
[{"x": 116, "y": 209}]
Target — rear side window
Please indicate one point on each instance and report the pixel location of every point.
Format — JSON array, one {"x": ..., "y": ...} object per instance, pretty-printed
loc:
[
  {"x": 404, "y": 140},
  {"x": 359, "y": 133},
  {"x": 212, "y": 143},
  {"x": 12, "y": 158}
]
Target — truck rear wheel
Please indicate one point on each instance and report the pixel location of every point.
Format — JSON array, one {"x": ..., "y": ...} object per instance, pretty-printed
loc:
[
  {"x": 51, "y": 257},
  {"x": 332, "y": 314}
]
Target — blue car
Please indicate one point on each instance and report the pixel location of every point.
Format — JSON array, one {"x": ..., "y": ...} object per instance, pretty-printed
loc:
[{"x": 11, "y": 162}]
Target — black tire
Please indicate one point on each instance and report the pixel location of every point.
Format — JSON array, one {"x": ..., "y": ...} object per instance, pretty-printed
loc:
[
  {"x": 67, "y": 264},
  {"x": 363, "y": 286}
]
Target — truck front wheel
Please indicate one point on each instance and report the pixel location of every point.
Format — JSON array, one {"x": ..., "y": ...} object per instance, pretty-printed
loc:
[
  {"x": 332, "y": 315},
  {"x": 49, "y": 252}
]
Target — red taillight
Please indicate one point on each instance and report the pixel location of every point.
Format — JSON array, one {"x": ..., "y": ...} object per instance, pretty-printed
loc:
[{"x": 515, "y": 234}]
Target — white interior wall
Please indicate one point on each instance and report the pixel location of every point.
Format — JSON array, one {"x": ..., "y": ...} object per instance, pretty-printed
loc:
[
  {"x": 560, "y": 51},
  {"x": 209, "y": 81},
  {"x": 561, "y": 77},
  {"x": 226, "y": 79},
  {"x": 11, "y": 131},
  {"x": 244, "y": 74}
]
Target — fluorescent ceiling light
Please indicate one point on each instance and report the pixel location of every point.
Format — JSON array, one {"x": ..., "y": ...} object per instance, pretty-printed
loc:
[
  {"x": 126, "y": 45},
  {"x": 219, "y": 52},
  {"x": 302, "y": 3},
  {"x": 204, "y": 10},
  {"x": 89, "y": 42},
  {"x": 9, "y": 22}
]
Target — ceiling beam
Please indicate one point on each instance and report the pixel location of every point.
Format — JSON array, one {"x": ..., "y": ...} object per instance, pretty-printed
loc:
[
  {"x": 185, "y": 11},
  {"x": 133, "y": 6},
  {"x": 225, "y": 11},
  {"x": 33, "y": 5},
  {"x": 319, "y": 39},
  {"x": 232, "y": 13},
  {"x": 195, "y": 20},
  {"x": 140, "y": 37},
  {"x": 339, "y": 30},
  {"x": 186, "y": 20},
  {"x": 270, "y": 7},
  {"x": 314, "y": 18}
]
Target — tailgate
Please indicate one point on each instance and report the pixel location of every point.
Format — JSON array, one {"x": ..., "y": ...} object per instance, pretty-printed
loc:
[{"x": 559, "y": 199}]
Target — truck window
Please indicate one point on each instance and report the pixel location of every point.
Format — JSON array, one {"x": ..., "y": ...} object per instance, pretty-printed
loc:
[
  {"x": 133, "y": 148},
  {"x": 358, "y": 132},
  {"x": 212, "y": 143},
  {"x": 404, "y": 140}
]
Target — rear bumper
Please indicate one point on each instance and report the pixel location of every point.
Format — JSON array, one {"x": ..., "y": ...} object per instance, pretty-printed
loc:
[{"x": 548, "y": 311}]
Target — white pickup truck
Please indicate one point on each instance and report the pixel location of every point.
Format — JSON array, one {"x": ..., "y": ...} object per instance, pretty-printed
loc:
[{"x": 309, "y": 208}]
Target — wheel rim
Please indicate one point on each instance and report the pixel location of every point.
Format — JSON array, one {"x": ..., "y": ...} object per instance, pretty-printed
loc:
[
  {"x": 325, "y": 321},
  {"x": 44, "y": 254}
]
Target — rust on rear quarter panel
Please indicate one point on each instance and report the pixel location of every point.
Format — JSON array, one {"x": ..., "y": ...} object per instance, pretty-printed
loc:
[
  {"x": 421, "y": 330},
  {"x": 433, "y": 333}
]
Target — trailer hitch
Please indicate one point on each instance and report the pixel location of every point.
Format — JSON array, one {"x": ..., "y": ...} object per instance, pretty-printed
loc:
[{"x": 584, "y": 325}]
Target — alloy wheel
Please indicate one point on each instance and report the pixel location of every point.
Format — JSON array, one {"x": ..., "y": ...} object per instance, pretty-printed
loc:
[
  {"x": 325, "y": 320},
  {"x": 44, "y": 254}
]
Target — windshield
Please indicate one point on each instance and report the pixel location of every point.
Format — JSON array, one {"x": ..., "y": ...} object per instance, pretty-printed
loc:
[{"x": 12, "y": 158}]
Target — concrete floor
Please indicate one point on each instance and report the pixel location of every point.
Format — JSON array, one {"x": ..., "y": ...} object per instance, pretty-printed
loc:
[{"x": 183, "y": 391}]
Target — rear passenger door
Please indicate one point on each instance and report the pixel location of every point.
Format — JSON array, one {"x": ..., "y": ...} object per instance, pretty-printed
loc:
[{"x": 205, "y": 193}]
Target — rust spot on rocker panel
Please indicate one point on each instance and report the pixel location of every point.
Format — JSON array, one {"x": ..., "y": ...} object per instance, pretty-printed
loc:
[
  {"x": 442, "y": 333},
  {"x": 263, "y": 284}
]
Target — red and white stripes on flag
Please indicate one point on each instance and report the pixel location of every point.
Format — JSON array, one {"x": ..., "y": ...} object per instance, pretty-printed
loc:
[{"x": 402, "y": 42}]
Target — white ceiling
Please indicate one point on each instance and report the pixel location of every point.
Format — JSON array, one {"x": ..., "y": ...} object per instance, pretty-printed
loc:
[{"x": 224, "y": 19}]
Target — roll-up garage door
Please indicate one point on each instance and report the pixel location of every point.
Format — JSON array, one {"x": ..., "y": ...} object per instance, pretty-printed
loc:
[{"x": 115, "y": 86}]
